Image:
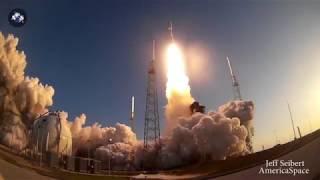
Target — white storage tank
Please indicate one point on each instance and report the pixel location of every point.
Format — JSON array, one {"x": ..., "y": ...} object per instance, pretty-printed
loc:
[{"x": 51, "y": 134}]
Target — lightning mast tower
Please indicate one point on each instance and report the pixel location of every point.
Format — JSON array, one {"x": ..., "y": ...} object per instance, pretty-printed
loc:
[
  {"x": 237, "y": 96},
  {"x": 292, "y": 123},
  {"x": 132, "y": 115},
  {"x": 235, "y": 83},
  {"x": 151, "y": 121}
]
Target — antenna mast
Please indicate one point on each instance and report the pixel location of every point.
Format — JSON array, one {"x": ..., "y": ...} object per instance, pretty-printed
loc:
[
  {"x": 132, "y": 115},
  {"x": 235, "y": 83},
  {"x": 294, "y": 132}
]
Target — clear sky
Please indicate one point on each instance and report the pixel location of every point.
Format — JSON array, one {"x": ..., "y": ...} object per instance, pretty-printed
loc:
[{"x": 95, "y": 54}]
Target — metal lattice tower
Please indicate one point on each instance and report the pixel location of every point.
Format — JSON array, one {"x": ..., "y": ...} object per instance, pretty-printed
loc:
[
  {"x": 235, "y": 83},
  {"x": 151, "y": 121},
  {"x": 237, "y": 96}
]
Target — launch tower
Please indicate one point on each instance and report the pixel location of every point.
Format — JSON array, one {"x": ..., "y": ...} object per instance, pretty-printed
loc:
[{"x": 151, "y": 121}]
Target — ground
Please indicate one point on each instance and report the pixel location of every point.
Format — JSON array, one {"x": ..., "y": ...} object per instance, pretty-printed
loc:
[
  {"x": 12, "y": 172},
  {"x": 13, "y": 167},
  {"x": 306, "y": 149},
  {"x": 309, "y": 154}
]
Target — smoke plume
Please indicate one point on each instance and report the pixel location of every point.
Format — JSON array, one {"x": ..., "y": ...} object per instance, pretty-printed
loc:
[
  {"x": 211, "y": 136},
  {"x": 244, "y": 111},
  {"x": 96, "y": 135},
  {"x": 178, "y": 106},
  {"x": 177, "y": 88},
  {"x": 215, "y": 135},
  {"x": 22, "y": 98}
]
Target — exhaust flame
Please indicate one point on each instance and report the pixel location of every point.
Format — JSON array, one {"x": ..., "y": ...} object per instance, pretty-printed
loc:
[
  {"x": 178, "y": 89},
  {"x": 177, "y": 79}
]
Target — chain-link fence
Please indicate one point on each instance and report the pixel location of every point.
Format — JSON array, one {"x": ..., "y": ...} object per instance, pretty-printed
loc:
[{"x": 70, "y": 163}]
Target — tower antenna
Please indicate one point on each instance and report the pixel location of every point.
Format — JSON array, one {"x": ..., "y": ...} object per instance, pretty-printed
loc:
[
  {"x": 292, "y": 123},
  {"x": 310, "y": 126},
  {"x": 235, "y": 83},
  {"x": 153, "y": 50}
]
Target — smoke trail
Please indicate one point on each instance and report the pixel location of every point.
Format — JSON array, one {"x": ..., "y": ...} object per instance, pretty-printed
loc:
[{"x": 21, "y": 98}]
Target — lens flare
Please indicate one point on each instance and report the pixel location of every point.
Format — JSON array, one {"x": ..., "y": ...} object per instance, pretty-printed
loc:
[{"x": 178, "y": 81}]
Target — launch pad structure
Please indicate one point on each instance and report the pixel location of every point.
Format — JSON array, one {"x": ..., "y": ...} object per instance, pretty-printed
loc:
[{"x": 151, "y": 121}]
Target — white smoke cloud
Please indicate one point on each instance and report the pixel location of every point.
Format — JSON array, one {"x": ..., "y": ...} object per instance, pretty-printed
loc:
[
  {"x": 96, "y": 135},
  {"x": 178, "y": 106},
  {"x": 244, "y": 111},
  {"x": 212, "y": 136},
  {"x": 21, "y": 98},
  {"x": 120, "y": 154}
]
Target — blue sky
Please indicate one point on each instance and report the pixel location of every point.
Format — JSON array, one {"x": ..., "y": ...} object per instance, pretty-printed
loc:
[{"x": 95, "y": 54}]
